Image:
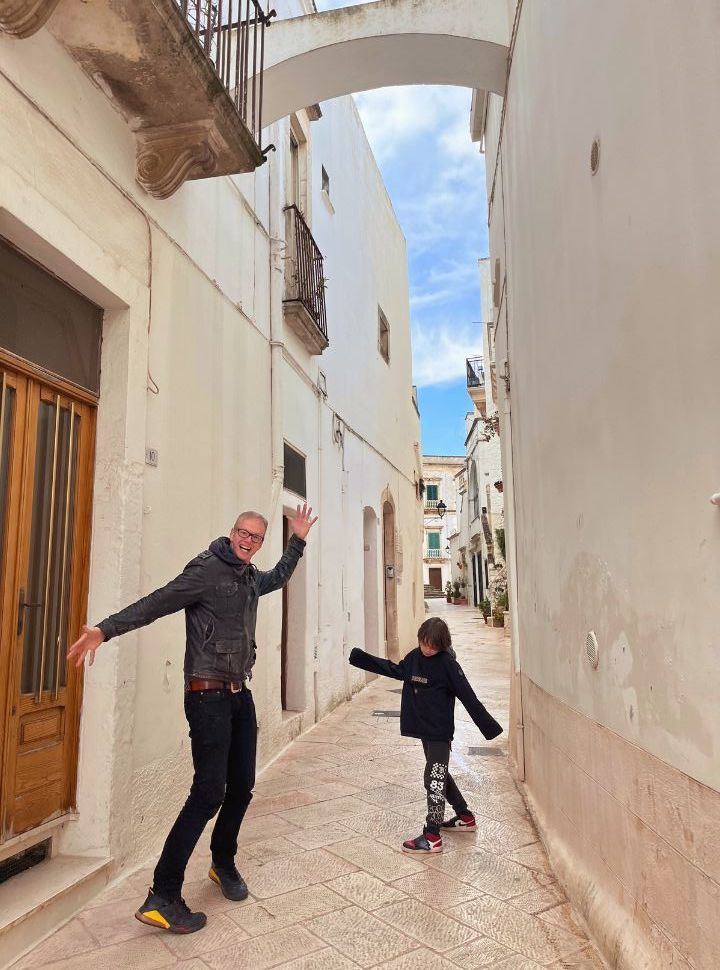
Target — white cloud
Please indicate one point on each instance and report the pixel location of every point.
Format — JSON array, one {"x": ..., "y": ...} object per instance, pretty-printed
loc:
[{"x": 439, "y": 351}]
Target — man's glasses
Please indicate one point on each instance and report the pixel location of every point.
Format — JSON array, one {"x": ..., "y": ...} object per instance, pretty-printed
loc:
[{"x": 244, "y": 534}]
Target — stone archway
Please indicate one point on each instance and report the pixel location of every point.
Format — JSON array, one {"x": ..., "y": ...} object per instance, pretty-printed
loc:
[{"x": 390, "y": 42}]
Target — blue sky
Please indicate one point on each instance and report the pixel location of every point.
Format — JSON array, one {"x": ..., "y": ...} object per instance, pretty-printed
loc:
[{"x": 436, "y": 179}]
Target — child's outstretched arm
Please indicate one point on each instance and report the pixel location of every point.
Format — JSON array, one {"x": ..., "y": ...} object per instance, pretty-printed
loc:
[
  {"x": 376, "y": 665},
  {"x": 487, "y": 724}
]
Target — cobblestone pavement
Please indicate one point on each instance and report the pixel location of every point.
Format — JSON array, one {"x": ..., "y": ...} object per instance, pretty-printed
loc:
[{"x": 320, "y": 850}]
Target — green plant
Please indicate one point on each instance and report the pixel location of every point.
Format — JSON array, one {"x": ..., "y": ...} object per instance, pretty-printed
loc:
[
  {"x": 499, "y": 616},
  {"x": 500, "y": 535},
  {"x": 501, "y": 603},
  {"x": 448, "y": 588},
  {"x": 485, "y": 607},
  {"x": 456, "y": 590}
]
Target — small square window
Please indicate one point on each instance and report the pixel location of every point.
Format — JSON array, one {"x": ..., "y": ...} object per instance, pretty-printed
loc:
[
  {"x": 294, "y": 476},
  {"x": 383, "y": 336}
]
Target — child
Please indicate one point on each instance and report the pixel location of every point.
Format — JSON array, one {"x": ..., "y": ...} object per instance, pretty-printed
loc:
[{"x": 432, "y": 679}]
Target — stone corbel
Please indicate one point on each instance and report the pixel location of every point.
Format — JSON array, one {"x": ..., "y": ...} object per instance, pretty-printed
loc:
[
  {"x": 169, "y": 156},
  {"x": 23, "y": 18}
]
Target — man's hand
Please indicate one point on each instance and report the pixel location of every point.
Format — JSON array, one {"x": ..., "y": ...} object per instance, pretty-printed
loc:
[
  {"x": 302, "y": 522},
  {"x": 87, "y": 643}
]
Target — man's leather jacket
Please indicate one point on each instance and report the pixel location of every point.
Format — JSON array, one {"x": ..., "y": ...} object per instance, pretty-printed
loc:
[{"x": 219, "y": 594}]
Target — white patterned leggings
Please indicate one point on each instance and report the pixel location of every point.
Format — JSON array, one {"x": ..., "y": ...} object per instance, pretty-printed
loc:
[{"x": 439, "y": 785}]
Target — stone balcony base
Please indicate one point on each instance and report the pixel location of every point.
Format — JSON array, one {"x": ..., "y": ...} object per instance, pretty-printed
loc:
[{"x": 145, "y": 58}]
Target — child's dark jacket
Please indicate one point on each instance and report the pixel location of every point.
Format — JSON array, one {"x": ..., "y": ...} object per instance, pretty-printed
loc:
[{"x": 430, "y": 686}]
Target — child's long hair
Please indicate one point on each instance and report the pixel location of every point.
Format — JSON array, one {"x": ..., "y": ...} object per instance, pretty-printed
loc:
[{"x": 435, "y": 633}]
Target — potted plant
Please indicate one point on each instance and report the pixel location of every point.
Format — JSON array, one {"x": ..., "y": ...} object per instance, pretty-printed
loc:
[
  {"x": 462, "y": 600},
  {"x": 448, "y": 591},
  {"x": 456, "y": 592},
  {"x": 485, "y": 608},
  {"x": 498, "y": 617}
]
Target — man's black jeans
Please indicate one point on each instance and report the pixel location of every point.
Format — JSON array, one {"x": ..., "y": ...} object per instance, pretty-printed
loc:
[{"x": 223, "y": 735}]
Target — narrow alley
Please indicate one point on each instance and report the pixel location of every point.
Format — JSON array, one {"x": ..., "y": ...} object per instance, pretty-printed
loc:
[{"x": 320, "y": 849}]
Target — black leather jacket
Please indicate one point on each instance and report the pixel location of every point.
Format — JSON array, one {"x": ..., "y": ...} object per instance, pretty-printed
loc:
[{"x": 219, "y": 595}]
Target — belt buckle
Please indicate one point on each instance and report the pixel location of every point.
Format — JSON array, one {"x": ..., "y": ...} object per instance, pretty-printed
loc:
[{"x": 234, "y": 689}]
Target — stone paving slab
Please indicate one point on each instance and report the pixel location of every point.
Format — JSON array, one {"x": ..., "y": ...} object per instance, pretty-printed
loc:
[{"x": 330, "y": 888}]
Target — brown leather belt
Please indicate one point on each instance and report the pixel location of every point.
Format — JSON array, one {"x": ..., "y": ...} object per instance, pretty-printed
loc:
[{"x": 231, "y": 685}]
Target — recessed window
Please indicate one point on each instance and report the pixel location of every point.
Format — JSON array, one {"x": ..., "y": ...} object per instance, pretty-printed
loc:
[
  {"x": 325, "y": 181},
  {"x": 434, "y": 540},
  {"x": 431, "y": 493},
  {"x": 383, "y": 336},
  {"x": 294, "y": 477}
]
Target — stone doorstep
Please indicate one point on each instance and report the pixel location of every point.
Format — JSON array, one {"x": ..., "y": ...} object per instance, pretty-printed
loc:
[{"x": 37, "y": 902}]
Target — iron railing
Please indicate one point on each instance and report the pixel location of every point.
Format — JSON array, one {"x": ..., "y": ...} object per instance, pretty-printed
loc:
[
  {"x": 304, "y": 276},
  {"x": 433, "y": 554},
  {"x": 475, "y": 371},
  {"x": 232, "y": 34}
]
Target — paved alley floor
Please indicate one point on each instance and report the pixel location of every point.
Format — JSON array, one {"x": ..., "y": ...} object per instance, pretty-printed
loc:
[{"x": 320, "y": 850}]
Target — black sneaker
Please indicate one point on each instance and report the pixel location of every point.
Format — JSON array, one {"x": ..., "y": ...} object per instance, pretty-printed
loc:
[
  {"x": 169, "y": 914},
  {"x": 230, "y": 881}
]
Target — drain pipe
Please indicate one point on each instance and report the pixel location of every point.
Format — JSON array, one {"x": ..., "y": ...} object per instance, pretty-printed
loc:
[{"x": 277, "y": 283}]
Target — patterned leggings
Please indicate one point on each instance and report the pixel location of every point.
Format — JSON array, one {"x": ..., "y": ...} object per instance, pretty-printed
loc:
[{"x": 439, "y": 785}]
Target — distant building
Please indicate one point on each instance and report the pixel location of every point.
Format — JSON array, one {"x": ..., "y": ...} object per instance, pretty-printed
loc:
[{"x": 440, "y": 518}]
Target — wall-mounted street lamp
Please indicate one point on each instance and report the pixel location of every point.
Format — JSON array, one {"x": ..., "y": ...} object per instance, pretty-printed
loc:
[{"x": 441, "y": 508}]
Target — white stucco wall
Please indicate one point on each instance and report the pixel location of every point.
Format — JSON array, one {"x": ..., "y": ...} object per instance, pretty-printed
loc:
[
  {"x": 186, "y": 370},
  {"x": 611, "y": 285}
]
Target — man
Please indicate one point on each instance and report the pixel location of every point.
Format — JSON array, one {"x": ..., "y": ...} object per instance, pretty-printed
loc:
[{"x": 219, "y": 592}]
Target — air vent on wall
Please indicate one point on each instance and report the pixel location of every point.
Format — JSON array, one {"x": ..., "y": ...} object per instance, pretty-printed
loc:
[{"x": 592, "y": 650}]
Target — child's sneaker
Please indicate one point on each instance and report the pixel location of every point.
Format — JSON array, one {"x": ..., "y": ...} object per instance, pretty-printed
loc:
[
  {"x": 427, "y": 842},
  {"x": 461, "y": 823}
]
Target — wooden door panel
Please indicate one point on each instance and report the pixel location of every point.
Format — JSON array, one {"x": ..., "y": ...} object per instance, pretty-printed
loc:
[{"x": 45, "y": 598}]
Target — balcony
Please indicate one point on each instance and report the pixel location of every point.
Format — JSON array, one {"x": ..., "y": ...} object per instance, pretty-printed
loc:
[
  {"x": 476, "y": 382},
  {"x": 431, "y": 504},
  {"x": 186, "y": 75},
  {"x": 434, "y": 554},
  {"x": 304, "y": 302}
]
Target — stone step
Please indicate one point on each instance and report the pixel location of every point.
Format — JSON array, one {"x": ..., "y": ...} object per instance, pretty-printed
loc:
[{"x": 35, "y": 903}]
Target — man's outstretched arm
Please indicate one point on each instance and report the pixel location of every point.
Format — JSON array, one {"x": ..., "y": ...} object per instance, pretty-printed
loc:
[
  {"x": 180, "y": 592},
  {"x": 276, "y": 578}
]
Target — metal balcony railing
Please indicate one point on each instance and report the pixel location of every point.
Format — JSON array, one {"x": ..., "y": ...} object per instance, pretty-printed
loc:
[
  {"x": 433, "y": 554},
  {"x": 475, "y": 371},
  {"x": 232, "y": 34},
  {"x": 304, "y": 269}
]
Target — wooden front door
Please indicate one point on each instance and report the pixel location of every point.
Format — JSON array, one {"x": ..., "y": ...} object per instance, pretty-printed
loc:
[
  {"x": 435, "y": 577},
  {"x": 46, "y": 462}
]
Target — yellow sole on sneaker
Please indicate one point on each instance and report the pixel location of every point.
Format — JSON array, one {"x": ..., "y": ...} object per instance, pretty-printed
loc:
[{"x": 153, "y": 918}]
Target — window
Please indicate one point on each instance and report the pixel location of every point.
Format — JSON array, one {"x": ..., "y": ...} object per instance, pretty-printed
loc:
[
  {"x": 383, "y": 336},
  {"x": 293, "y": 197},
  {"x": 431, "y": 493},
  {"x": 433, "y": 540},
  {"x": 474, "y": 493},
  {"x": 44, "y": 321},
  {"x": 294, "y": 477},
  {"x": 325, "y": 181}
]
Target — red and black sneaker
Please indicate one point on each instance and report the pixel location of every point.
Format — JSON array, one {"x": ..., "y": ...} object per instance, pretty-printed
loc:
[
  {"x": 427, "y": 842},
  {"x": 461, "y": 823}
]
